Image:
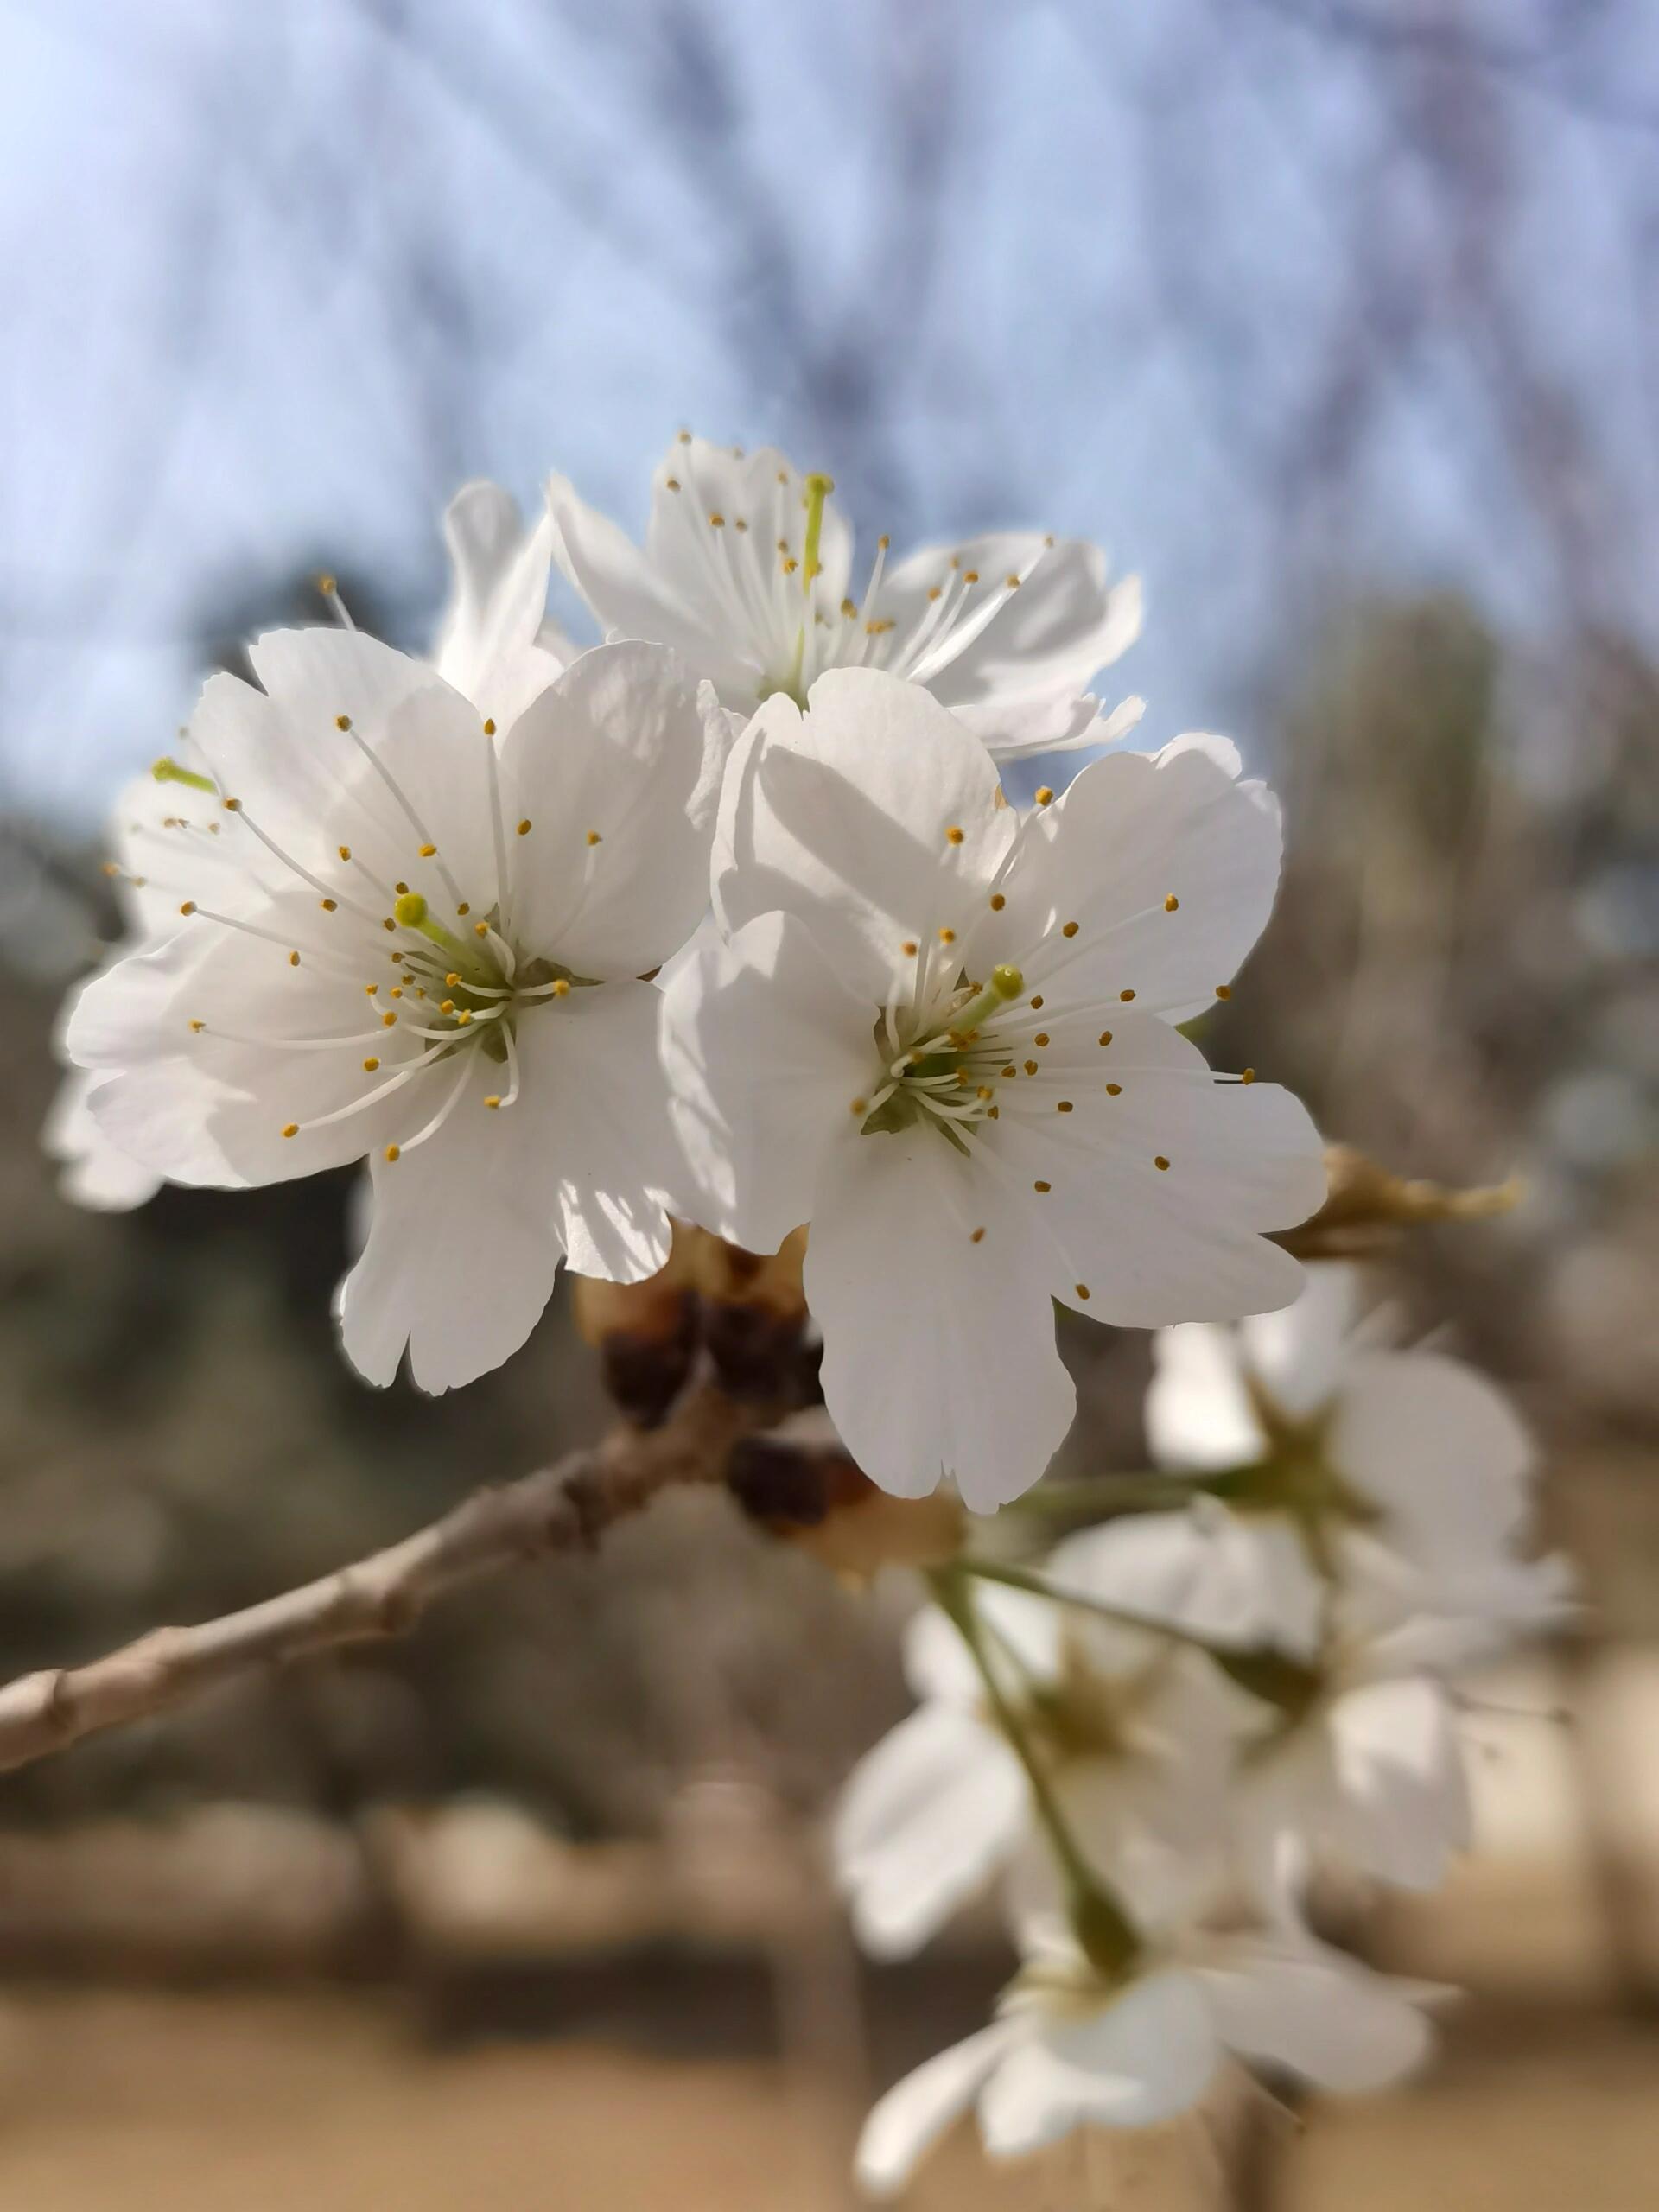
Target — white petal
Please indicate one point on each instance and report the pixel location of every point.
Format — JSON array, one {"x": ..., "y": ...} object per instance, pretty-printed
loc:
[
  {"x": 1156, "y": 1244},
  {"x": 462, "y": 1251},
  {"x": 628, "y": 594},
  {"x": 913, "y": 2116},
  {"x": 96, "y": 1173},
  {"x": 1133, "y": 831},
  {"x": 1299, "y": 1354},
  {"x": 1199, "y": 1413},
  {"x": 1061, "y": 625},
  {"x": 1141, "y": 2059},
  {"x": 938, "y": 1352},
  {"x": 593, "y": 1086},
  {"x": 1024, "y": 728},
  {"x": 616, "y": 767},
  {"x": 1438, "y": 1445},
  {"x": 1235, "y": 1581},
  {"x": 842, "y": 816},
  {"x": 765, "y": 1050},
  {"x": 490, "y": 645},
  {"x": 1327, "y": 2020},
  {"x": 926, "y": 1818},
  {"x": 1399, "y": 1766}
]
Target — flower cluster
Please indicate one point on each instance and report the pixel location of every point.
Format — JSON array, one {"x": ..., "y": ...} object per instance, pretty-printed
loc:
[
  {"x": 728, "y": 916},
  {"x": 729, "y": 920},
  {"x": 1159, "y": 1738}
]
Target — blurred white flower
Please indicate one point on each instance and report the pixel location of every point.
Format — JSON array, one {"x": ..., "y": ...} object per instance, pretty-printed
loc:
[
  {"x": 428, "y": 952},
  {"x": 494, "y": 643},
  {"x": 1077, "y": 2048},
  {"x": 943, "y": 1034},
  {"x": 747, "y": 569},
  {"x": 1308, "y": 1431},
  {"x": 1129, "y": 1727}
]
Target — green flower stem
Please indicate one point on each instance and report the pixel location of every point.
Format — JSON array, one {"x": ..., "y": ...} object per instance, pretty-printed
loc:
[{"x": 1099, "y": 1922}]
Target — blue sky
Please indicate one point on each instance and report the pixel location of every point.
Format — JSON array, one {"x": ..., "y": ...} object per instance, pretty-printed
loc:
[{"x": 279, "y": 276}]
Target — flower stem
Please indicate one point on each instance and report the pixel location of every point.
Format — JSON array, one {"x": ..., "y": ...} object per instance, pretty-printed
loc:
[
  {"x": 1099, "y": 1922},
  {"x": 1024, "y": 1577}
]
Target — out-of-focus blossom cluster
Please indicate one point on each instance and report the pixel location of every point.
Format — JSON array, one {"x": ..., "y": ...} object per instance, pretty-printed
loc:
[{"x": 1156, "y": 1738}]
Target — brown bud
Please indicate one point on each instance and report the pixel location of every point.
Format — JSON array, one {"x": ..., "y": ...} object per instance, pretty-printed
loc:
[
  {"x": 755, "y": 1318},
  {"x": 798, "y": 1484},
  {"x": 647, "y": 1332},
  {"x": 1367, "y": 1209}
]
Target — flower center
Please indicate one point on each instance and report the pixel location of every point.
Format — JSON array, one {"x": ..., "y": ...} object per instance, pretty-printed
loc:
[{"x": 944, "y": 1074}]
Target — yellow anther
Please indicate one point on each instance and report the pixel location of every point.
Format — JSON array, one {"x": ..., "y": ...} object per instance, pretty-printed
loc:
[
  {"x": 293, "y": 959},
  {"x": 976, "y": 1236},
  {"x": 369, "y": 1065},
  {"x": 1010, "y": 1069},
  {"x": 1249, "y": 1075},
  {"x": 971, "y": 576},
  {"x": 524, "y": 826},
  {"x": 1114, "y": 1090},
  {"x": 947, "y": 936},
  {"x": 1223, "y": 990},
  {"x": 489, "y": 725},
  {"x": 1048, "y": 541},
  {"x": 1126, "y": 996},
  {"x": 453, "y": 977},
  {"x": 1061, "y": 1105},
  {"x": 1104, "y": 1038},
  {"x": 447, "y": 1006},
  {"x": 884, "y": 541},
  {"x": 716, "y": 522},
  {"x": 388, "y": 923},
  {"x": 849, "y": 607},
  {"x": 330, "y": 905},
  {"x": 671, "y": 483},
  {"x": 1037, "y": 1002},
  {"x": 1031, "y": 1067},
  {"x": 1043, "y": 795},
  {"x": 481, "y": 929},
  {"x": 1159, "y": 1161},
  {"x": 189, "y": 907},
  {"x": 112, "y": 867},
  {"x": 1013, "y": 582},
  {"x": 738, "y": 524},
  {"x": 463, "y": 1017},
  {"x": 1070, "y": 930},
  {"x": 393, "y": 1151},
  {"x": 1042, "y": 1186},
  {"x": 493, "y": 1101},
  {"x": 1171, "y": 904},
  {"x": 984, "y": 1091},
  {"x": 396, "y": 992},
  {"x": 790, "y": 564},
  {"x": 290, "y": 1129},
  {"x": 342, "y": 721},
  {"x": 372, "y": 988},
  {"x": 560, "y": 988},
  {"x": 345, "y": 852},
  {"x": 427, "y": 851},
  {"x": 388, "y": 1021},
  {"x": 1082, "y": 1289},
  {"x": 464, "y": 907},
  {"x": 859, "y": 1106},
  {"x": 232, "y": 805},
  {"x": 935, "y": 591},
  {"x": 196, "y": 1028},
  {"x": 909, "y": 947},
  {"x": 593, "y": 837},
  {"x": 327, "y": 586},
  {"x": 1041, "y": 1038},
  {"x": 953, "y": 835}
]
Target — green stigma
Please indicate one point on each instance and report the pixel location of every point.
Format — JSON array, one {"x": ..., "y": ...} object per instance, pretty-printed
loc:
[
  {"x": 410, "y": 910},
  {"x": 168, "y": 770},
  {"x": 1006, "y": 983},
  {"x": 818, "y": 489}
]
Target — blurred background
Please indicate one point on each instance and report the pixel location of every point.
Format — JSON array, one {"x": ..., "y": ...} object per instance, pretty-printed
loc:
[{"x": 1338, "y": 320}]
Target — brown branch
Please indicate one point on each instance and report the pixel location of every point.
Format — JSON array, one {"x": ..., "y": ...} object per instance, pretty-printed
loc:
[{"x": 564, "y": 1508}]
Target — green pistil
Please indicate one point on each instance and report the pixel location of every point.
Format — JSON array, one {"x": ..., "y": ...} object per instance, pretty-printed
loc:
[
  {"x": 818, "y": 489},
  {"x": 1006, "y": 983},
  {"x": 410, "y": 912},
  {"x": 168, "y": 770}
]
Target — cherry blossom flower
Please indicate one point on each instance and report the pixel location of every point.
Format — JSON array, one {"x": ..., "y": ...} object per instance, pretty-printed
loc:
[
  {"x": 748, "y": 570},
  {"x": 1128, "y": 1725},
  {"x": 1303, "y": 1429},
  {"x": 494, "y": 643},
  {"x": 1078, "y": 2046},
  {"x": 427, "y": 953},
  {"x": 942, "y": 1034}
]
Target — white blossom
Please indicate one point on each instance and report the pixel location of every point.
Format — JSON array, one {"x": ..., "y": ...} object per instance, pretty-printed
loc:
[
  {"x": 427, "y": 953},
  {"x": 748, "y": 570},
  {"x": 1077, "y": 2047},
  {"x": 494, "y": 643},
  {"x": 1127, "y": 1725},
  {"x": 943, "y": 1034}
]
